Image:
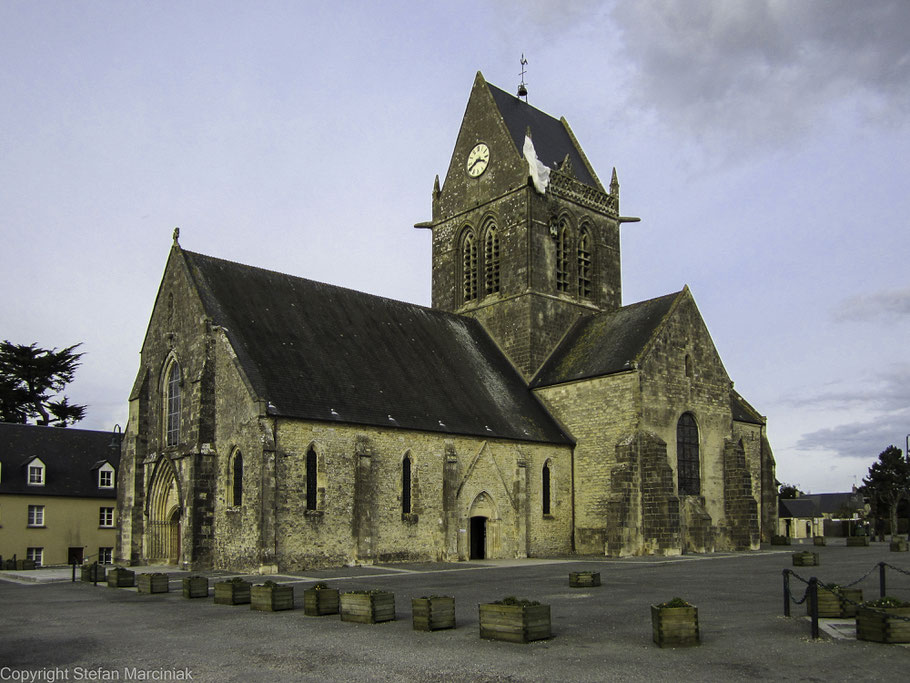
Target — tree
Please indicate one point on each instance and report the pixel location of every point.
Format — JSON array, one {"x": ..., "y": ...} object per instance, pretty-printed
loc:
[
  {"x": 31, "y": 378},
  {"x": 789, "y": 491},
  {"x": 888, "y": 483}
]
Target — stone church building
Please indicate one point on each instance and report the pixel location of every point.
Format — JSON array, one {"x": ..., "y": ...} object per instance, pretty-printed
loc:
[{"x": 281, "y": 423}]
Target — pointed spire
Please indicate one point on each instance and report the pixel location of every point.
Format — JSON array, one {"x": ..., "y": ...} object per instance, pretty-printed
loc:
[
  {"x": 614, "y": 183},
  {"x": 436, "y": 186}
]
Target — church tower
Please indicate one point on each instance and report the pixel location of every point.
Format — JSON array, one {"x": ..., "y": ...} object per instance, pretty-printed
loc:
[{"x": 525, "y": 237}]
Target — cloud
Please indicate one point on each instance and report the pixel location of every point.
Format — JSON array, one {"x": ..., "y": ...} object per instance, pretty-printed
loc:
[
  {"x": 886, "y": 390},
  {"x": 860, "y": 439},
  {"x": 764, "y": 72},
  {"x": 882, "y": 304}
]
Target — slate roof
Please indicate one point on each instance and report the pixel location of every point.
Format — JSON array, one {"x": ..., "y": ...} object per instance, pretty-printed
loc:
[
  {"x": 322, "y": 352},
  {"x": 743, "y": 411},
  {"x": 552, "y": 140},
  {"x": 830, "y": 503},
  {"x": 797, "y": 507},
  {"x": 605, "y": 343},
  {"x": 71, "y": 458}
]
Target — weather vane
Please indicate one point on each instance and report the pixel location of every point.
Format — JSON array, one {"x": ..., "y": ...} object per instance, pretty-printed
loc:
[{"x": 522, "y": 87}]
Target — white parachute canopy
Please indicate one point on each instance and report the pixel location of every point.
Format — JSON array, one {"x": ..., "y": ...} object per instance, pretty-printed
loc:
[{"x": 540, "y": 174}]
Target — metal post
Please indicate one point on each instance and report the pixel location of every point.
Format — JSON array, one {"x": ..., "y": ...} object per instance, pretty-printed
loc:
[
  {"x": 786, "y": 592},
  {"x": 813, "y": 605},
  {"x": 74, "y": 572},
  {"x": 881, "y": 579},
  {"x": 95, "y": 574}
]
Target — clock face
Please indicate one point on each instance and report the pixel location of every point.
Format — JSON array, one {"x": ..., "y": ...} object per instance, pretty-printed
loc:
[{"x": 478, "y": 160}]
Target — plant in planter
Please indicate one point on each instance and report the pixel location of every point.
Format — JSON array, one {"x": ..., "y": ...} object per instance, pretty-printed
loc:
[
  {"x": 155, "y": 582},
  {"x": 857, "y": 540},
  {"x": 368, "y": 607},
  {"x": 433, "y": 613},
  {"x": 195, "y": 587},
  {"x": 835, "y": 602},
  {"x": 805, "y": 558},
  {"x": 780, "y": 540},
  {"x": 319, "y": 600},
  {"x": 233, "y": 592},
  {"x": 271, "y": 597},
  {"x": 584, "y": 579},
  {"x": 514, "y": 620},
  {"x": 93, "y": 572},
  {"x": 876, "y": 621},
  {"x": 25, "y": 564},
  {"x": 675, "y": 623},
  {"x": 899, "y": 545},
  {"x": 121, "y": 577},
  {"x": 819, "y": 540}
]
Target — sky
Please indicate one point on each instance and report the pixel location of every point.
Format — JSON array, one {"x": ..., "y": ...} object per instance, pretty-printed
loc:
[{"x": 764, "y": 144}]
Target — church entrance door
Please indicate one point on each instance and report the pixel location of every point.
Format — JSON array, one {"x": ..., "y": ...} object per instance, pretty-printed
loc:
[
  {"x": 162, "y": 534},
  {"x": 478, "y": 538}
]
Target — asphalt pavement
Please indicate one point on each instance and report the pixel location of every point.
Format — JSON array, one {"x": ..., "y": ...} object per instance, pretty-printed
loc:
[{"x": 52, "y": 629}]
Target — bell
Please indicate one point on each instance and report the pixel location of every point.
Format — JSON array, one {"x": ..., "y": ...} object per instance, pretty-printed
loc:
[{"x": 522, "y": 90}]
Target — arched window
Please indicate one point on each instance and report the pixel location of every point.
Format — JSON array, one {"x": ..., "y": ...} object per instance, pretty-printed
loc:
[
  {"x": 406, "y": 485},
  {"x": 687, "y": 463},
  {"x": 469, "y": 266},
  {"x": 172, "y": 405},
  {"x": 311, "y": 480},
  {"x": 584, "y": 264},
  {"x": 688, "y": 365},
  {"x": 237, "y": 479},
  {"x": 562, "y": 257},
  {"x": 491, "y": 260},
  {"x": 545, "y": 487}
]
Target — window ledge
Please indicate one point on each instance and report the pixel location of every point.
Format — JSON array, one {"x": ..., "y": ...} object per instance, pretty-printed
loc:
[
  {"x": 36, "y": 526},
  {"x": 409, "y": 517},
  {"x": 549, "y": 516},
  {"x": 313, "y": 513},
  {"x": 234, "y": 509}
]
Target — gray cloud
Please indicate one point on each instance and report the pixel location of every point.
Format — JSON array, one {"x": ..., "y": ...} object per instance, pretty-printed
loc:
[
  {"x": 886, "y": 390},
  {"x": 764, "y": 72},
  {"x": 884, "y": 304},
  {"x": 860, "y": 439}
]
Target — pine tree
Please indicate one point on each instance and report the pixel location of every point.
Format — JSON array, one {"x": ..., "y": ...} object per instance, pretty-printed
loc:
[
  {"x": 888, "y": 483},
  {"x": 31, "y": 378}
]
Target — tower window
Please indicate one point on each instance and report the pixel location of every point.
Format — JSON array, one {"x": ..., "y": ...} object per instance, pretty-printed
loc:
[
  {"x": 562, "y": 257},
  {"x": 237, "y": 479},
  {"x": 545, "y": 488},
  {"x": 311, "y": 480},
  {"x": 406, "y": 485},
  {"x": 584, "y": 264},
  {"x": 491, "y": 260},
  {"x": 687, "y": 459},
  {"x": 469, "y": 267},
  {"x": 172, "y": 405}
]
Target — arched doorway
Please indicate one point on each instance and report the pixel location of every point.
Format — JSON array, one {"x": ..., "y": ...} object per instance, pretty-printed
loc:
[
  {"x": 482, "y": 542},
  {"x": 162, "y": 537}
]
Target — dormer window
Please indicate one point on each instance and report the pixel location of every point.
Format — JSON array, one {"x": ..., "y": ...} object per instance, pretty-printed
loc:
[
  {"x": 36, "y": 473},
  {"x": 106, "y": 476}
]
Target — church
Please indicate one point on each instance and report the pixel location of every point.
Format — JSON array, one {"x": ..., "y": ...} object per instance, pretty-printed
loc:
[{"x": 277, "y": 423}]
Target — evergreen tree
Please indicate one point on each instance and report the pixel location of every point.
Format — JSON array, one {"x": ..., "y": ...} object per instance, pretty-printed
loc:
[
  {"x": 888, "y": 483},
  {"x": 31, "y": 378}
]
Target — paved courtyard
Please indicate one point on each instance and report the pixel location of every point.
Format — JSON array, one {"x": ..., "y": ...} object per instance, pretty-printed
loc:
[{"x": 52, "y": 629}]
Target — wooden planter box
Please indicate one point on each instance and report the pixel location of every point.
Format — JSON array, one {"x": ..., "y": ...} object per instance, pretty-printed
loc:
[
  {"x": 805, "y": 558},
  {"x": 819, "y": 540},
  {"x": 675, "y": 626},
  {"x": 899, "y": 545},
  {"x": 232, "y": 593},
  {"x": 320, "y": 601},
  {"x": 780, "y": 540},
  {"x": 584, "y": 579},
  {"x": 271, "y": 598},
  {"x": 433, "y": 614},
  {"x": 25, "y": 564},
  {"x": 368, "y": 608},
  {"x": 832, "y": 605},
  {"x": 514, "y": 623},
  {"x": 118, "y": 577},
  {"x": 153, "y": 583},
  {"x": 195, "y": 587},
  {"x": 878, "y": 624},
  {"x": 857, "y": 540},
  {"x": 93, "y": 572}
]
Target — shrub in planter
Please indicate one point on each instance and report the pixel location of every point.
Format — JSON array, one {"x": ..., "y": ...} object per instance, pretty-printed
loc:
[
  {"x": 271, "y": 597},
  {"x": 120, "y": 577},
  {"x": 780, "y": 540},
  {"x": 155, "y": 582},
  {"x": 195, "y": 587},
  {"x": 857, "y": 540},
  {"x": 675, "y": 624},
  {"x": 835, "y": 602},
  {"x": 93, "y": 572},
  {"x": 514, "y": 620},
  {"x": 819, "y": 540},
  {"x": 233, "y": 592},
  {"x": 25, "y": 564},
  {"x": 584, "y": 579},
  {"x": 876, "y": 621},
  {"x": 898, "y": 545},
  {"x": 433, "y": 613},
  {"x": 805, "y": 558},
  {"x": 319, "y": 600},
  {"x": 368, "y": 607}
]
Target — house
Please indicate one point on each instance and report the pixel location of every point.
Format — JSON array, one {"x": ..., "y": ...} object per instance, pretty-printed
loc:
[
  {"x": 280, "y": 423},
  {"x": 57, "y": 494}
]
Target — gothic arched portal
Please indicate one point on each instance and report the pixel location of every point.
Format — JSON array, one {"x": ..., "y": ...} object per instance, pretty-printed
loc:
[{"x": 162, "y": 535}]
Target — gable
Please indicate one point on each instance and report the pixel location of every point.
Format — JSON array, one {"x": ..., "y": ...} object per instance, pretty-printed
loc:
[{"x": 321, "y": 352}]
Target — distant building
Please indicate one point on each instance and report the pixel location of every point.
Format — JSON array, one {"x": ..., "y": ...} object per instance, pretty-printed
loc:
[
  {"x": 819, "y": 514},
  {"x": 57, "y": 494}
]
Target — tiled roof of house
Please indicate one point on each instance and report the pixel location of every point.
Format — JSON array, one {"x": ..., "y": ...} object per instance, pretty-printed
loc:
[
  {"x": 71, "y": 458},
  {"x": 321, "y": 352},
  {"x": 797, "y": 507}
]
